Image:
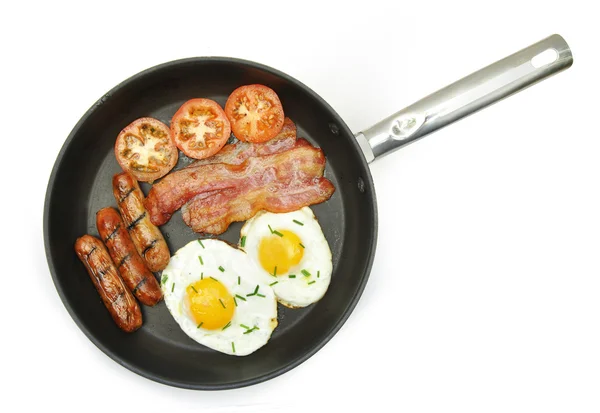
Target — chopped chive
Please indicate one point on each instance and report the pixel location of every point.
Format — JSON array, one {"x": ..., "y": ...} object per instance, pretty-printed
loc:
[
  {"x": 318, "y": 274},
  {"x": 201, "y": 244},
  {"x": 200, "y": 325},
  {"x": 221, "y": 269},
  {"x": 275, "y": 271},
  {"x": 201, "y": 275},
  {"x": 240, "y": 297},
  {"x": 298, "y": 222},
  {"x": 302, "y": 245},
  {"x": 245, "y": 326},
  {"x": 200, "y": 258},
  {"x": 249, "y": 330},
  {"x": 213, "y": 278},
  {"x": 233, "y": 346},
  {"x": 235, "y": 301},
  {"x": 243, "y": 243},
  {"x": 222, "y": 303},
  {"x": 306, "y": 273},
  {"x": 173, "y": 287},
  {"x": 256, "y": 289},
  {"x": 196, "y": 291},
  {"x": 273, "y": 283},
  {"x": 279, "y": 234},
  {"x": 238, "y": 280},
  {"x": 270, "y": 229},
  {"x": 312, "y": 282},
  {"x": 165, "y": 278},
  {"x": 227, "y": 326},
  {"x": 254, "y": 293},
  {"x": 292, "y": 276},
  {"x": 260, "y": 295}
]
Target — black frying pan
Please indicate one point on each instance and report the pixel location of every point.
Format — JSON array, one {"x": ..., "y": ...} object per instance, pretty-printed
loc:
[{"x": 80, "y": 185}]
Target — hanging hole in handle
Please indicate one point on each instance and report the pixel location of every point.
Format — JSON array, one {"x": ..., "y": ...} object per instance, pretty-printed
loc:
[{"x": 544, "y": 58}]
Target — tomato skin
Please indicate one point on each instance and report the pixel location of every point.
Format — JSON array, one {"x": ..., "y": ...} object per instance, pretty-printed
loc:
[
  {"x": 145, "y": 149},
  {"x": 202, "y": 116},
  {"x": 255, "y": 113}
]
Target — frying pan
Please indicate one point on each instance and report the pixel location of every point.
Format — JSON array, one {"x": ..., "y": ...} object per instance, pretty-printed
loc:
[{"x": 80, "y": 185}]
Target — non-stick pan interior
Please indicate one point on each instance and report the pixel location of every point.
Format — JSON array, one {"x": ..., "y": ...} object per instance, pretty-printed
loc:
[{"x": 80, "y": 185}]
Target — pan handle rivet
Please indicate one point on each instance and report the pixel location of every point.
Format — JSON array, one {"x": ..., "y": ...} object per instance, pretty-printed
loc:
[
  {"x": 334, "y": 129},
  {"x": 361, "y": 185},
  {"x": 406, "y": 125}
]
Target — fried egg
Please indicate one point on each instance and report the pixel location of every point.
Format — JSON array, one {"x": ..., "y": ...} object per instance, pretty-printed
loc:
[
  {"x": 291, "y": 255},
  {"x": 218, "y": 300}
]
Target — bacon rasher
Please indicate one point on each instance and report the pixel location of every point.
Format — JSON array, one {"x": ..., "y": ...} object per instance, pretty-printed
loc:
[
  {"x": 236, "y": 153},
  {"x": 265, "y": 177},
  {"x": 214, "y": 213}
]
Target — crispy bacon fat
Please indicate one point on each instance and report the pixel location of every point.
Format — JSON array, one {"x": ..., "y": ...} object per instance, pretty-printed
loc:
[{"x": 271, "y": 173}]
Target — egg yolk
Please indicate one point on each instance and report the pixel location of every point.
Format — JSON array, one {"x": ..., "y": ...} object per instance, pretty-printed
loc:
[
  {"x": 282, "y": 252},
  {"x": 209, "y": 303}
]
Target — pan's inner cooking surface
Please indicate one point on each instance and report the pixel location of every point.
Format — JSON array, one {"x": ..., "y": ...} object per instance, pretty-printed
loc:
[
  {"x": 82, "y": 186},
  {"x": 157, "y": 320}
]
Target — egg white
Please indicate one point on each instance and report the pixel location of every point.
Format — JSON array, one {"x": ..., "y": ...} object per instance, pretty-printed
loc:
[
  {"x": 302, "y": 290},
  {"x": 185, "y": 268}
]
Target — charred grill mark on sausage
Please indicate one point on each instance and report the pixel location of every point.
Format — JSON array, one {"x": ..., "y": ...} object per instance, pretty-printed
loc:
[
  {"x": 140, "y": 284},
  {"x": 149, "y": 246},
  {"x": 124, "y": 260},
  {"x": 112, "y": 234},
  {"x": 87, "y": 256},
  {"x": 124, "y": 197},
  {"x": 136, "y": 221}
]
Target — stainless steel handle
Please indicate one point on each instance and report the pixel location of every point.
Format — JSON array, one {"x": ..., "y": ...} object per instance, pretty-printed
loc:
[{"x": 470, "y": 94}]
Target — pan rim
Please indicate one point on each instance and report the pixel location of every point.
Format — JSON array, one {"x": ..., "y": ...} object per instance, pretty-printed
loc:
[{"x": 148, "y": 373}]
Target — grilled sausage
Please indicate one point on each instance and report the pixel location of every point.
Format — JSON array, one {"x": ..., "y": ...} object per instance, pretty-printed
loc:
[
  {"x": 147, "y": 238},
  {"x": 140, "y": 281},
  {"x": 119, "y": 301}
]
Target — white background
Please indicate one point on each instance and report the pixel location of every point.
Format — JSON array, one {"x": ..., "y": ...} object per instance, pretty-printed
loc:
[{"x": 485, "y": 293}]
